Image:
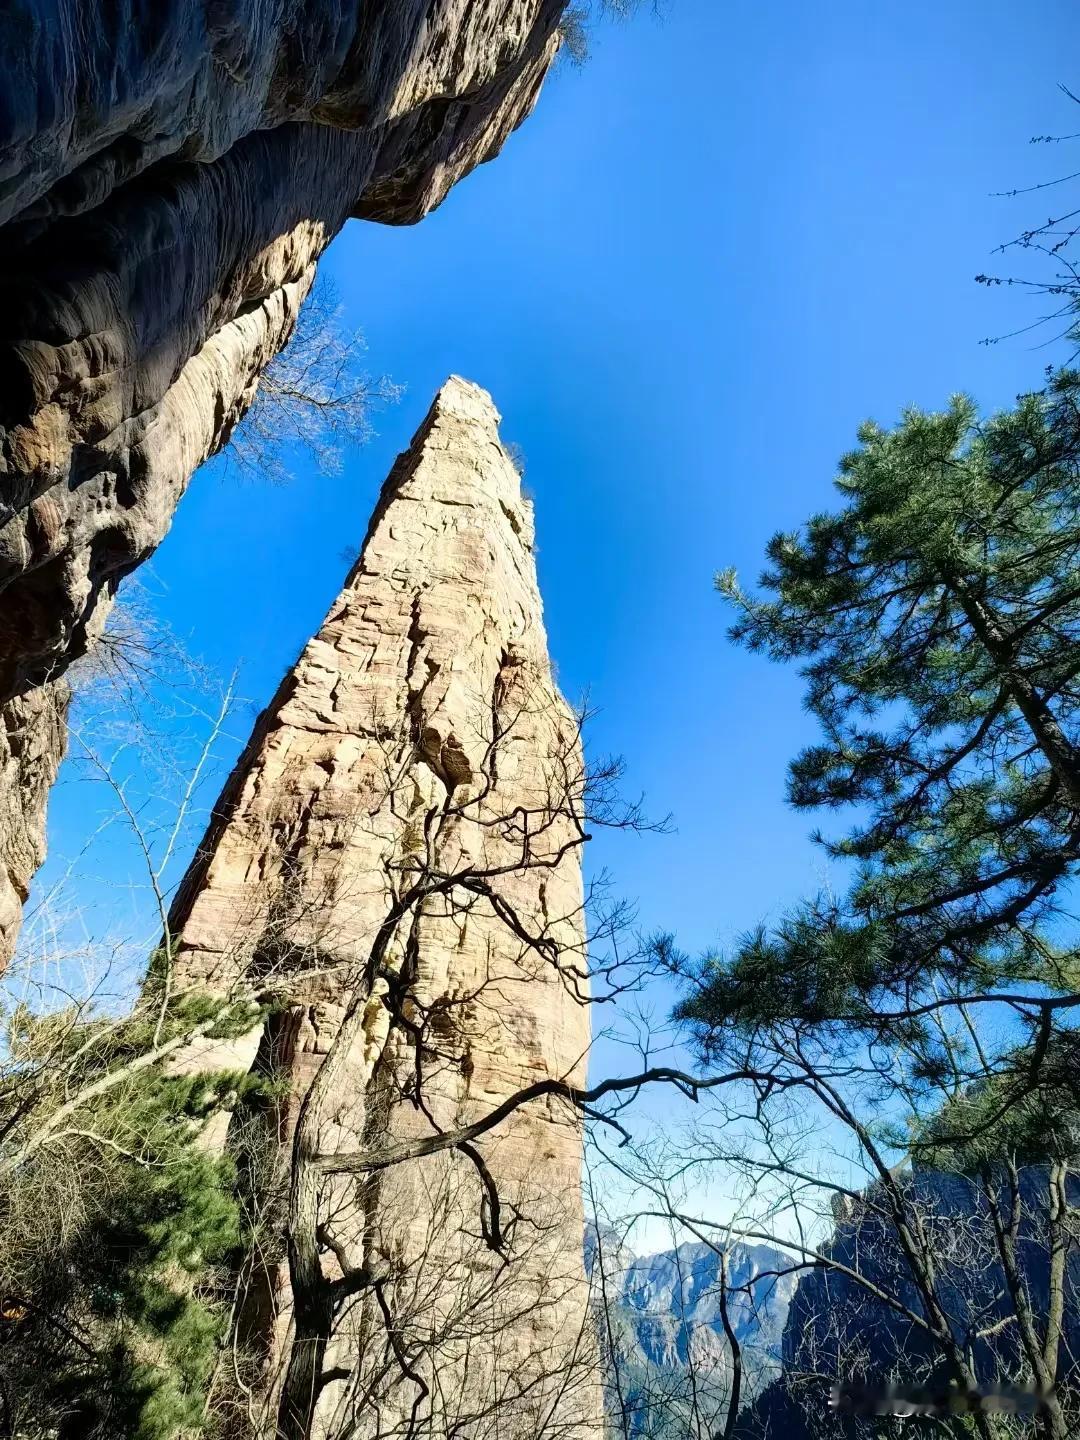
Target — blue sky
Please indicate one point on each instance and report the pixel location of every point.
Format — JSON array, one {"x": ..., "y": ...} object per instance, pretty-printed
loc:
[{"x": 734, "y": 234}]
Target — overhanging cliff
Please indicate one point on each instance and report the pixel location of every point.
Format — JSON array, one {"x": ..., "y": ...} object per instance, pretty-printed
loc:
[{"x": 169, "y": 176}]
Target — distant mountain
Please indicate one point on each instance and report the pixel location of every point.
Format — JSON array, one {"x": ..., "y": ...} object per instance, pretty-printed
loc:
[{"x": 668, "y": 1361}]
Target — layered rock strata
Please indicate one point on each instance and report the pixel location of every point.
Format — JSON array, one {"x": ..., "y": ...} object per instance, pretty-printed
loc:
[
  {"x": 397, "y": 858},
  {"x": 169, "y": 175}
]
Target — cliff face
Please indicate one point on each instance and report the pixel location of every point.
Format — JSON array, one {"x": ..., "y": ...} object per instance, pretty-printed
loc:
[
  {"x": 674, "y": 1298},
  {"x": 32, "y": 737},
  {"x": 831, "y": 1315},
  {"x": 169, "y": 176},
  {"x": 417, "y": 780}
]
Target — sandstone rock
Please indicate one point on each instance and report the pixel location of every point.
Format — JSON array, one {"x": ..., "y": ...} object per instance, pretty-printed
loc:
[
  {"x": 169, "y": 176},
  {"x": 32, "y": 738},
  {"x": 420, "y": 737}
]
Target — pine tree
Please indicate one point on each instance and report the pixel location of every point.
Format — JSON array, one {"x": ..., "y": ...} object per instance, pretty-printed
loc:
[
  {"x": 117, "y": 1228},
  {"x": 929, "y": 1010},
  {"x": 936, "y": 619}
]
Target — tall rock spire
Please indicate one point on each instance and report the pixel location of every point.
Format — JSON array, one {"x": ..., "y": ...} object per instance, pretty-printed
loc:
[{"x": 397, "y": 856}]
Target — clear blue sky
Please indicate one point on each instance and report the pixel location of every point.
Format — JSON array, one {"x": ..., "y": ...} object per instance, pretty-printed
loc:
[{"x": 708, "y": 255}]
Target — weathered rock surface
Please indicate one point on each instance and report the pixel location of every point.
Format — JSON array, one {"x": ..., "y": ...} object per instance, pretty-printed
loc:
[
  {"x": 169, "y": 175},
  {"x": 421, "y": 737},
  {"x": 32, "y": 742}
]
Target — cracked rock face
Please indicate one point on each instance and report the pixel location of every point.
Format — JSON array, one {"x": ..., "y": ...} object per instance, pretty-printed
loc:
[
  {"x": 421, "y": 735},
  {"x": 32, "y": 742},
  {"x": 169, "y": 175}
]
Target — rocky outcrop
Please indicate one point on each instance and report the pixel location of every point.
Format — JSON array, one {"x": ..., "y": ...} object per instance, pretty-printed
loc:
[
  {"x": 674, "y": 1298},
  {"x": 396, "y": 858},
  {"x": 32, "y": 742},
  {"x": 169, "y": 176},
  {"x": 831, "y": 1315}
]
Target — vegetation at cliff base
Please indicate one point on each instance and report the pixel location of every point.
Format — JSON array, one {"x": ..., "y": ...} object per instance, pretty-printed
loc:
[{"x": 115, "y": 1224}]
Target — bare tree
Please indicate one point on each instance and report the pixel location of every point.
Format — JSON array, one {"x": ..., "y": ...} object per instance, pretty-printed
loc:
[
  {"x": 314, "y": 398},
  {"x": 379, "y": 1316},
  {"x": 983, "y": 1285},
  {"x": 578, "y": 20},
  {"x": 358, "y": 1226},
  {"x": 109, "y": 1220},
  {"x": 674, "y": 1362},
  {"x": 1050, "y": 244},
  {"x": 926, "y": 1256}
]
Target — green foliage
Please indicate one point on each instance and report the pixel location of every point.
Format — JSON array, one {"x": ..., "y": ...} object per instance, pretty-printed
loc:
[
  {"x": 998, "y": 1116},
  {"x": 156, "y": 1336},
  {"x": 930, "y": 1008},
  {"x": 115, "y": 1231},
  {"x": 936, "y": 624},
  {"x": 936, "y": 621}
]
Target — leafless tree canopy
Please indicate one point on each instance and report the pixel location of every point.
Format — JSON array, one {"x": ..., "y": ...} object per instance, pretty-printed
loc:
[
  {"x": 314, "y": 402},
  {"x": 485, "y": 1248},
  {"x": 1041, "y": 259}
]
